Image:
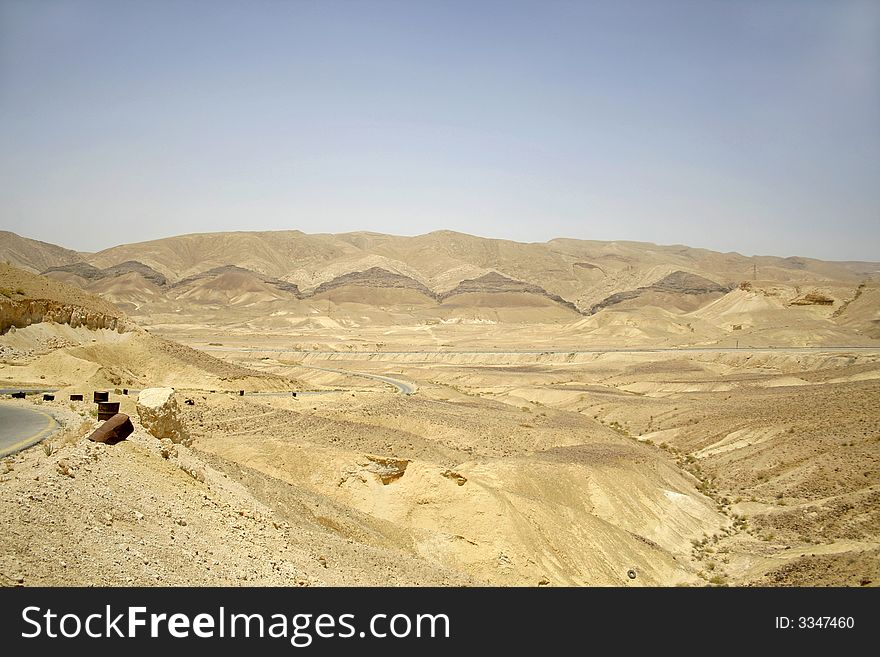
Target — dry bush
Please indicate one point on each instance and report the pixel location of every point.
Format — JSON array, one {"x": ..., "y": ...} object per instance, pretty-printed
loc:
[{"x": 71, "y": 435}]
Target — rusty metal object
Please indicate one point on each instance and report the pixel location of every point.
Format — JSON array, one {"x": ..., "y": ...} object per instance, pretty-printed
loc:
[
  {"x": 106, "y": 410},
  {"x": 114, "y": 430},
  {"x": 101, "y": 396},
  {"x": 75, "y": 397},
  {"x": 241, "y": 393}
]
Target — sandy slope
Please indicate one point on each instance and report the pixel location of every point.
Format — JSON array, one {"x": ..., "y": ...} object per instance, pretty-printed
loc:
[
  {"x": 17, "y": 285},
  {"x": 529, "y": 455},
  {"x": 33, "y": 255},
  {"x": 504, "y": 496},
  {"x": 786, "y": 443},
  {"x": 125, "y": 515},
  {"x": 102, "y": 348}
]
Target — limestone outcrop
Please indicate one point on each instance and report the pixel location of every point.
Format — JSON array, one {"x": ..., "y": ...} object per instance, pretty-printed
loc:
[
  {"x": 160, "y": 415},
  {"x": 22, "y": 313}
]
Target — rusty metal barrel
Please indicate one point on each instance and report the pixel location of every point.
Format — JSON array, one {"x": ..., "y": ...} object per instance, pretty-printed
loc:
[
  {"x": 75, "y": 397},
  {"x": 106, "y": 410},
  {"x": 101, "y": 396},
  {"x": 115, "y": 429}
]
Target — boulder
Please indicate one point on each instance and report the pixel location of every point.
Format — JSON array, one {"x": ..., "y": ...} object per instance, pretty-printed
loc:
[
  {"x": 387, "y": 469},
  {"x": 160, "y": 414},
  {"x": 112, "y": 431},
  {"x": 167, "y": 449}
]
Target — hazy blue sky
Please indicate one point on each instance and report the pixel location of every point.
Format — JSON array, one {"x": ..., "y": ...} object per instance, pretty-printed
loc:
[{"x": 751, "y": 126}]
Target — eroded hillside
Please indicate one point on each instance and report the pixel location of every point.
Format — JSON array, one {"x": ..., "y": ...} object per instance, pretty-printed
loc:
[
  {"x": 52, "y": 334},
  {"x": 292, "y": 281}
]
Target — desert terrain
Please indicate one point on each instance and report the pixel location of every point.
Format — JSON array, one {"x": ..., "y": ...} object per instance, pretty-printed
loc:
[{"x": 466, "y": 412}]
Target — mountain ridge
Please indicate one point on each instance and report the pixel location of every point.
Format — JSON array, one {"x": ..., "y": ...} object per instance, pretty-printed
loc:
[{"x": 438, "y": 276}]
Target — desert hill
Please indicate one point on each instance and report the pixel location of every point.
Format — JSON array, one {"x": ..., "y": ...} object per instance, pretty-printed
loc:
[
  {"x": 33, "y": 255},
  {"x": 580, "y": 271},
  {"x": 290, "y": 280},
  {"x": 672, "y": 289},
  {"x": 445, "y": 492},
  {"x": 510, "y": 465},
  {"x": 23, "y": 285},
  {"x": 51, "y": 331},
  {"x": 87, "y": 272}
]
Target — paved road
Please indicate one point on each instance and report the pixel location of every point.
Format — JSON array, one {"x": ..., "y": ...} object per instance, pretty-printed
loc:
[
  {"x": 409, "y": 388},
  {"x": 30, "y": 391},
  {"x": 22, "y": 427},
  {"x": 403, "y": 386},
  {"x": 489, "y": 352}
]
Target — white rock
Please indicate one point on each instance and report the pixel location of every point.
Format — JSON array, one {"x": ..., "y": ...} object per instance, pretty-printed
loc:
[{"x": 160, "y": 414}]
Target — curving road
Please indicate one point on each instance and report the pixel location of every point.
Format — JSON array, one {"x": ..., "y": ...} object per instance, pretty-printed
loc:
[
  {"x": 22, "y": 427},
  {"x": 402, "y": 386},
  {"x": 515, "y": 352}
]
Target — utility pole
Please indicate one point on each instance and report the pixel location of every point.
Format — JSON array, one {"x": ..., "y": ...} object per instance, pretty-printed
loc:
[{"x": 754, "y": 271}]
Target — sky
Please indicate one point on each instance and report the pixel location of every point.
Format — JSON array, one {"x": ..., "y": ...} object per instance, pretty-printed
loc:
[{"x": 749, "y": 126}]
